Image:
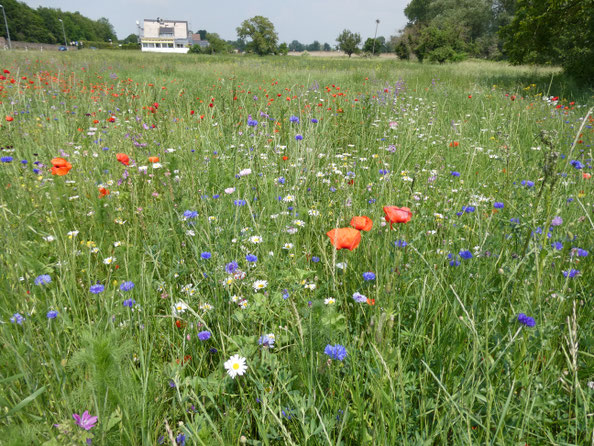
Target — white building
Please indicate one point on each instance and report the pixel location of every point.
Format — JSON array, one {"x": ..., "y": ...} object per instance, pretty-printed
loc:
[{"x": 165, "y": 36}]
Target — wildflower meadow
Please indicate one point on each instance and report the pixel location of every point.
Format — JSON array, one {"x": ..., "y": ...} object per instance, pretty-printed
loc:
[{"x": 202, "y": 250}]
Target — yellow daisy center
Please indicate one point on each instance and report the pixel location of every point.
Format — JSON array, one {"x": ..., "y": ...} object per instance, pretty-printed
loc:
[{"x": 235, "y": 366}]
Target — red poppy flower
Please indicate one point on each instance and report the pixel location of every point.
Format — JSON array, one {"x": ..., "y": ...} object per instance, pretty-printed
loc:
[
  {"x": 348, "y": 238},
  {"x": 123, "y": 158},
  {"x": 362, "y": 223},
  {"x": 153, "y": 159},
  {"x": 397, "y": 215},
  {"x": 60, "y": 166},
  {"x": 9, "y": 118},
  {"x": 454, "y": 144},
  {"x": 103, "y": 192}
]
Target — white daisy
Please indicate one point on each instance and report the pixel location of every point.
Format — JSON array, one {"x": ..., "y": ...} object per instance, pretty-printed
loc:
[
  {"x": 109, "y": 260},
  {"x": 255, "y": 239},
  {"x": 235, "y": 366},
  {"x": 260, "y": 285},
  {"x": 329, "y": 301},
  {"x": 179, "y": 308}
]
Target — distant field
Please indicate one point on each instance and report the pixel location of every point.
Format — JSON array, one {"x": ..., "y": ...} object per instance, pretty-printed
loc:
[
  {"x": 180, "y": 262},
  {"x": 338, "y": 54}
]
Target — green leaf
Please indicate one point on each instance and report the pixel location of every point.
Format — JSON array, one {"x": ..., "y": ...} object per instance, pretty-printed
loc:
[{"x": 26, "y": 401}]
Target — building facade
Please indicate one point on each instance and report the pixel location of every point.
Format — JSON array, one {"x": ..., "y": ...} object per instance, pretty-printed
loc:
[{"x": 165, "y": 36}]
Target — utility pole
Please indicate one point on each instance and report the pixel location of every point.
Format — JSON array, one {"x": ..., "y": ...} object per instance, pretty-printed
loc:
[
  {"x": 374, "y": 37},
  {"x": 64, "y": 31},
  {"x": 7, "y": 32}
]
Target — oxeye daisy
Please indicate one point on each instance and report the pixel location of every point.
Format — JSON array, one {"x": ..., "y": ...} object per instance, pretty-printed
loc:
[
  {"x": 235, "y": 366},
  {"x": 260, "y": 285}
]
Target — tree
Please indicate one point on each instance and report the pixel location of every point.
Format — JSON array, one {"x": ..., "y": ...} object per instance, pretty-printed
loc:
[
  {"x": 283, "y": 49},
  {"x": 202, "y": 33},
  {"x": 261, "y": 33},
  {"x": 296, "y": 46},
  {"x": 441, "y": 44},
  {"x": 132, "y": 38},
  {"x": 315, "y": 46},
  {"x": 327, "y": 47},
  {"x": 348, "y": 42},
  {"x": 378, "y": 48},
  {"x": 553, "y": 31}
]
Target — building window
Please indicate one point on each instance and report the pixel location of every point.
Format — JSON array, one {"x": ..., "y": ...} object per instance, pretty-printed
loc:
[
  {"x": 179, "y": 45},
  {"x": 157, "y": 45},
  {"x": 145, "y": 45},
  {"x": 170, "y": 45},
  {"x": 151, "y": 45}
]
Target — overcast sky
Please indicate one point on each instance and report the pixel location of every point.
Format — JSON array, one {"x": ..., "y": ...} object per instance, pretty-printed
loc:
[{"x": 303, "y": 20}]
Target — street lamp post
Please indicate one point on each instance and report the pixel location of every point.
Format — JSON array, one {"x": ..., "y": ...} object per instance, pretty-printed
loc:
[
  {"x": 6, "y": 23},
  {"x": 374, "y": 37},
  {"x": 64, "y": 31}
]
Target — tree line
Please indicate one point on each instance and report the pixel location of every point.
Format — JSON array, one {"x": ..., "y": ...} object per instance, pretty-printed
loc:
[{"x": 42, "y": 25}]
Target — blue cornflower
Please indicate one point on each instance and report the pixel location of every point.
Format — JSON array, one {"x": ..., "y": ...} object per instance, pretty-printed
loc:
[
  {"x": 314, "y": 120},
  {"x": 181, "y": 439},
  {"x": 400, "y": 243},
  {"x": 454, "y": 262},
  {"x": 557, "y": 245},
  {"x": 126, "y": 286},
  {"x": 580, "y": 252},
  {"x": 24, "y": 162},
  {"x": 454, "y": 173},
  {"x": 43, "y": 279},
  {"x": 527, "y": 183},
  {"x": 52, "y": 314},
  {"x": 285, "y": 294},
  {"x": 465, "y": 254},
  {"x": 498, "y": 205},
  {"x": 298, "y": 137},
  {"x": 371, "y": 201},
  {"x": 526, "y": 320},
  {"x": 359, "y": 298},
  {"x": 571, "y": 273},
  {"x": 576, "y": 164},
  {"x": 204, "y": 335},
  {"x": 267, "y": 341},
  {"x": 17, "y": 318},
  {"x": 294, "y": 119},
  {"x": 514, "y": 221},
  {"x": 337, "y": 352},
  {"x": 240, "y": 202},
  {"x": 36, "y": 171},
  {"x": 332, "y": 189},
  {"x": 252, "y": 122},
  {"x": 96, "y": 289},
  {"x": 205, "y": 255},
  {"x": 368, "y": 276},
  {"x": 190, "y": 214},
  {"x": 281, "y": 180},
  {"x": 231, "y": 267},
  {"x": 384, "y": 172},
  {"x": 251, "y": 258},
  {"x": 6, "y": 159},
  {"x": 315, "y": 259},
  {"x": 129, "y": 303},
  {"x": 468, "y": 209}
]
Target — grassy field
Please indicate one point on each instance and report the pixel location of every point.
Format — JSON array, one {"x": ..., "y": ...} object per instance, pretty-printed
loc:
[{"x": 166, "y": 265}]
